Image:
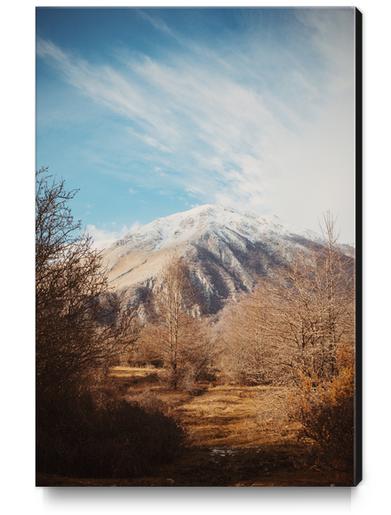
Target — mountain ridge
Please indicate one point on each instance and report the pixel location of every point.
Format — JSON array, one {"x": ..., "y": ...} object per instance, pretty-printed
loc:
[
  {"x": 225, "y": 251},
  {"x": 193, "y": 220}
]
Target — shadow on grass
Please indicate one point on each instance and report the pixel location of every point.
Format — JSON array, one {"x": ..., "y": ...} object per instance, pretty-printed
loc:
[{"x": 224, "y": 466}]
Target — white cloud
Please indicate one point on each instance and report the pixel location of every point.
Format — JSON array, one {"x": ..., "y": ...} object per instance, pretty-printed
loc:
[
  {"x": 232, "y": 128},
  {"x": 149, "y": 140},
  {"x": 104, "y": 238},
  {"x": 158, "y": 23}
]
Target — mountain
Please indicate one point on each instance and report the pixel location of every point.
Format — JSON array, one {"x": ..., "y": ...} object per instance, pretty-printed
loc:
[{"x": 225, "y": 251}]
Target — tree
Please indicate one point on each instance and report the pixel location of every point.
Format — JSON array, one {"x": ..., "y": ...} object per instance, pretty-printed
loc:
[
  {"x": 296, "y": 320},
  {"x": 179, "y": 334},
  {"x": 80, "y": 324},
  {"x": 310, "y": 306},
  {"x": 249, "y": 355}
]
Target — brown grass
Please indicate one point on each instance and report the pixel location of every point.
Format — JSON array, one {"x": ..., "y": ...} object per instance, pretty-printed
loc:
[
  {"x": 237, "y": 436},
  {"x": 226, "y": 415},
  {"x": 132, "y": 372},
  {"x": 231, "y": 416}
]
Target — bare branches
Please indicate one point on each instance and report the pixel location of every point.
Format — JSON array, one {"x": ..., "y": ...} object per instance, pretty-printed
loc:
[
  {"x": 79, "y": 323},
  {"x": 180, "y": 337},
  {"x": 295, "y": 320}
]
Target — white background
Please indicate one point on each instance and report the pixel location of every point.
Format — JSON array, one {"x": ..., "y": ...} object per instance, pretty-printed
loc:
[{"x": 17, "y": 33}]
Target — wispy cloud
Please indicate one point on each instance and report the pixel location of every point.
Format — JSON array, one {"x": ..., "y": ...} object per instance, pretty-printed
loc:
[
  {"x": 158, "y": 23},
  {"x": 248, "y": 125},
  {"x": 104, "y": 238}
]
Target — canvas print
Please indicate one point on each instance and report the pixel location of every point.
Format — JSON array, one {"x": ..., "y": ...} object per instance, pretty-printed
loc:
[{"x": 198, "y": 204}]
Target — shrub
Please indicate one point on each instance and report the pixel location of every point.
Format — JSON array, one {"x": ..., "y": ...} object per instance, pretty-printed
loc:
[
  {"x": 150, "y": 402},
  {"x": 78, "y": 438},
  {"x": 326, "y": 412}
]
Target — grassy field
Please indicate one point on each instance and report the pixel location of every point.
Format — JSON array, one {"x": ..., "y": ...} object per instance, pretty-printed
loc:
[
  {"x": 224, "y": 415},
  {"x": 235, "y": 435}
]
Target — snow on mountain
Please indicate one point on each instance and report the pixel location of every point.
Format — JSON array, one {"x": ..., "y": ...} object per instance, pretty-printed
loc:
[
  {"x": 226, "y": 251},
  {"x": 183, "y": 227}
]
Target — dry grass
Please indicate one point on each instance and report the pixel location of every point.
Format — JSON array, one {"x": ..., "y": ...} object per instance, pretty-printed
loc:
[
  {"x": 236, "y": 436},
  {"x": 132, "y": 372},
  {"x": 121, "y": 378},
  {"x": 233, "y": 417},
  {"x": 225, "y": 416}
]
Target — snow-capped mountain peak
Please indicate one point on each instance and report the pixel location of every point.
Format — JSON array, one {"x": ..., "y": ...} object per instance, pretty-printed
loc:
[
  {"x": 226, "y": 252},
  {"x": 188, "y": 225}
]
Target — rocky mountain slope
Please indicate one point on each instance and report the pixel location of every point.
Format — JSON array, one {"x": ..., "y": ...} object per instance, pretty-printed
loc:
[{"x": 226, "y": 251}]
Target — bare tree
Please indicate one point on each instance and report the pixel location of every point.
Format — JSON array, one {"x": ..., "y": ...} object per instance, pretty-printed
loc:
[
  {"x": 80, "y": 324},
  {"x": 249, "y": 355},
  {"x": 297, "y": 319},
  {"x": 311, "y": 305},
  {"x": 180, "y": 336}
]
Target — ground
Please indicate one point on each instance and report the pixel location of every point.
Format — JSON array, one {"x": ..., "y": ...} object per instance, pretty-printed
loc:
[{"x": 235, "y": 436}]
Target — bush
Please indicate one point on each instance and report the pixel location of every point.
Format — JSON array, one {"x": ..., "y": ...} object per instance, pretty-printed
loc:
[
  {"x": 150, "y": 402},
  {"x": 326, "y": 412},
  {"x": 78, "y": 438}
]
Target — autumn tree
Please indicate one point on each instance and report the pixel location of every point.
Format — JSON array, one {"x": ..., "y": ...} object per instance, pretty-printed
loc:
[
  {"x": 80, "y": 324},
  {"x": 309, "y": 306},
  {"x": 296, "y": 320},
  {"x": 179, "y": 335},
  {"x": 249, "y": 355},
  {"x": 323, "y": 401}
]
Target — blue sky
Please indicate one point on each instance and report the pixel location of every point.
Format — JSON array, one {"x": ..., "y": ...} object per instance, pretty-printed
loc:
[{"x": 153, "y": 111}]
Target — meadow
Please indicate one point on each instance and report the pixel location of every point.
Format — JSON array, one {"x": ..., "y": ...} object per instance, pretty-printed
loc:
[
  {"x": 235, "y": 435},
  {"x": 260, "y": 394}
]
